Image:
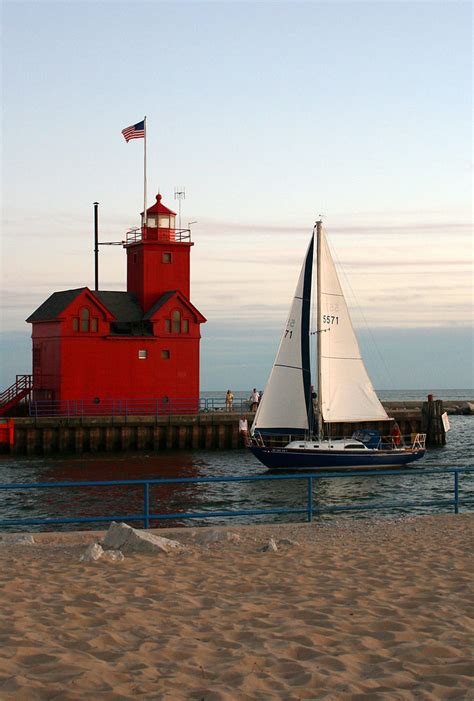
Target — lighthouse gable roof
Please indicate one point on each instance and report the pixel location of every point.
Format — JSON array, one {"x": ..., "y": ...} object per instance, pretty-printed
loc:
[
  {"x": 122, "y": 306},
  {"x": 55, "y": 305},
  {"x": 162, "y": 302}
]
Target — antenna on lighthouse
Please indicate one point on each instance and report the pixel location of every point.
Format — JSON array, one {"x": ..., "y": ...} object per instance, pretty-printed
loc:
[{"x": 179, "y": 194}]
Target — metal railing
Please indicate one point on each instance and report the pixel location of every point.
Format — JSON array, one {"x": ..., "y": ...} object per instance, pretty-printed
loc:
[
  {"x": 147, "y": 516},
  {"x": 158, "y": 234},
  {"x": 408, "y": 440},
  {"x": 22, "y": 384},
  {"x": 156, "y": 406}
]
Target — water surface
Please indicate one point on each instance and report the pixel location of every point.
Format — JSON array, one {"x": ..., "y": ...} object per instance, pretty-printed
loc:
[{"x": 174, "y": 499}]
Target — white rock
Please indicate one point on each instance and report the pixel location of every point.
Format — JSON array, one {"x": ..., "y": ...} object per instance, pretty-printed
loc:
[
  {"x": 17, "y": 539},
  {"x": 113, "y": 555},
  {"x": 128, "y": 539},
  {"x": 117, "y": 535},
  {"x": 142, "y": 541},
  {"x": 271, "y": 546},
  {"x": 93, "y": 552}
]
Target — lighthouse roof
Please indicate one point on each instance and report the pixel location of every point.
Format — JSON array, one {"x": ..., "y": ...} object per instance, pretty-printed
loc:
[
  {"x": 54, "y": 305},
  {"x": 123, "y": 306},
  {"x": 159, "y": 207}
]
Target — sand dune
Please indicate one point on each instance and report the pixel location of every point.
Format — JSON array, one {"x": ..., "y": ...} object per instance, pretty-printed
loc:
[{"x": 354, "y": 610}]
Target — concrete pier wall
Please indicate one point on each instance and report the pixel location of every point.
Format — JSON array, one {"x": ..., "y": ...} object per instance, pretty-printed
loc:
[{"x": 211, "y": 431}]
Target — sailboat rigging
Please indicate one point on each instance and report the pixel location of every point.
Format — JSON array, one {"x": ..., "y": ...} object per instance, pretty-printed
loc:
[{"x": 289, "y": 431}]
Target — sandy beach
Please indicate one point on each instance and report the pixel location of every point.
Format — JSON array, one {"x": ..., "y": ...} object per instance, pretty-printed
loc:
[{"x": 345, "y": 609}]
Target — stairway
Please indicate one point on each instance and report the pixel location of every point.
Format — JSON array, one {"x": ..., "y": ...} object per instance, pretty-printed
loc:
[{"x": 20, "y": 389}]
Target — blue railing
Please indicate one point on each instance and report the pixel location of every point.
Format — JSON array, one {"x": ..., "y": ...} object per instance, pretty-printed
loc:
[
  {"x": 156, "y": 406},
  {"x": 147, "y": 516}
]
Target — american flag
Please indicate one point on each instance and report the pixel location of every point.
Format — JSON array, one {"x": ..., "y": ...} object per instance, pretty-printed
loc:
[{"x": 136, "y": 131}]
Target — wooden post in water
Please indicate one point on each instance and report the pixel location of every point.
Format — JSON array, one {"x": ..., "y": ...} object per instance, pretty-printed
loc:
[{"x": 432, "y": 423}]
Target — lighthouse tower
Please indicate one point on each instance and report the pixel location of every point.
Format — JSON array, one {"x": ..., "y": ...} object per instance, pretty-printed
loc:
[{"x": 158, "y": 256}]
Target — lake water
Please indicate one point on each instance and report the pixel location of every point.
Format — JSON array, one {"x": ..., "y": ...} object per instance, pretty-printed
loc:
[{"x": 201, "y": 498}]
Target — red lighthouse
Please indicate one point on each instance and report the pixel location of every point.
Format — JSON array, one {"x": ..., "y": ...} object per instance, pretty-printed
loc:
[{"x": 142, "y": 345}]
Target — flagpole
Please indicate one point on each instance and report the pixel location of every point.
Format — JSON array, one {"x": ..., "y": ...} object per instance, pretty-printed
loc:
[{"x": 144, "y": 174}]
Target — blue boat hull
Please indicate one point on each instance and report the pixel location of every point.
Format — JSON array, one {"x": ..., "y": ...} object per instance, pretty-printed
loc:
[{"x": 283, "y": 458}]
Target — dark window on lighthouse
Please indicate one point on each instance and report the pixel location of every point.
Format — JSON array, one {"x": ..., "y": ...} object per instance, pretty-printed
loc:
[
  {"x": 176, "y": 324},
  {"x": 166, "y": 258},
  {"x": 165, "y": 354},
  {"x": 85, "y": 319},
  {"x": 84, "y": 322},
  {"x": 176, "y": 316}
]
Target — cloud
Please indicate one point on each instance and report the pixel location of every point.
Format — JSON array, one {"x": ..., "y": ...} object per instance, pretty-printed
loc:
[{"x": 215, "y": 227}]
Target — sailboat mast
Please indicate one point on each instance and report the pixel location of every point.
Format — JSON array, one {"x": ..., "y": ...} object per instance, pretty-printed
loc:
[{"x": 319, "y": 226}]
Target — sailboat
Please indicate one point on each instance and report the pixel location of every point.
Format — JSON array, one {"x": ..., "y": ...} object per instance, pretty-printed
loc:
[{"x": 292, "y": 425}]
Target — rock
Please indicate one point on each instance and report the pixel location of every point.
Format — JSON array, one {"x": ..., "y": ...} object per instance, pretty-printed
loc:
[
  {"x": 96, "y": 552},
  {"x": 125, "y": 538},
  {"x": 271, "y": 546},
  {"x": 117, "y": 535},
  {"x": 113, "y": 555},
  {"x": 470, "y": 407},
  {"x": 93, "y": 552},
  {"x": 17, "y": 539}
]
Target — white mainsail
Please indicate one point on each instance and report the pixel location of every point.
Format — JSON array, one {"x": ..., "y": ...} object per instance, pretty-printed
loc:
[
  {"x": 286, "y": 403},
  {"x": 346, "y": 392}
]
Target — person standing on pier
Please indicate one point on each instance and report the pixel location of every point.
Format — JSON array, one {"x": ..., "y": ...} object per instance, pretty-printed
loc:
[
  {"x": 243, "y": 429},
  {"x": 229, "y": 398},
  {"x": 253, "y": 399}
]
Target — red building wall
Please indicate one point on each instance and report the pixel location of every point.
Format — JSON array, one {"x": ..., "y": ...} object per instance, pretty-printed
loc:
[{"x": 115, "y": 371}]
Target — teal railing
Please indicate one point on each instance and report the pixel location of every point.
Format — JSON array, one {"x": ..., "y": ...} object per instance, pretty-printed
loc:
[{"x": 147, "y": 515}]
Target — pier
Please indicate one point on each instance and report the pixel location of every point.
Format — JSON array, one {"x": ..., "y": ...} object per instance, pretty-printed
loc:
[{"x": 212, "y": 430}]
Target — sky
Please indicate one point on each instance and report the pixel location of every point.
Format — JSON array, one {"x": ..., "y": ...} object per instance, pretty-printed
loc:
[{"x": 269, "y": 114}]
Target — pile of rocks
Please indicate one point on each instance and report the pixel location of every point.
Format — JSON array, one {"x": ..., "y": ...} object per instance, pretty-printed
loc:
[{"x": 121, "y": 539}]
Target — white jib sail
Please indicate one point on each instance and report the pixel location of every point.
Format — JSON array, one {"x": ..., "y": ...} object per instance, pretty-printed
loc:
[
  {"x": 283, "y": 407},
  {"x": 347, "y": 393}
]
